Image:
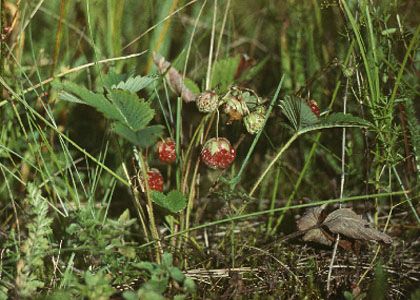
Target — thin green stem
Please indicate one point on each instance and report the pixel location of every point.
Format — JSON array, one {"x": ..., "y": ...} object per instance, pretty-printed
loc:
[
  {"x": 273, "y": 161},
  {"x": 235, "y": 180},
  {"x": 269, "y": 211}
]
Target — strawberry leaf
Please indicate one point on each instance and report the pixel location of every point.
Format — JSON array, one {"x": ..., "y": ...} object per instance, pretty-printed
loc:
[
  {"x": 134, "y": 84},
  {"x": 223, "y": 74},
  {"x": 135, "y": 113},
  {"x": 143, "y": 138},
  {"x": 71, "y": 92},
  {"x": 175, "y": 201}
]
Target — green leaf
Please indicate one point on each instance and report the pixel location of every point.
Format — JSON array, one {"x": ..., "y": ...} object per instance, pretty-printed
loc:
[
  {"x": 128, "y": 251},
  {"x": 143, "y": 138},
  {"x": 130, "y": 295},
  {"x": 175, "y": 201},
  {"x": 63, "y": 95},
  {"x": 159, "y": 198},
  {"x": 343, "y": 119},
  {"x": 337, "y": 120},
  {"x": 112, "y": 79},
  {"x": 157, "y": 283},
  {"x": 80, "y": 94},
  {"x": 253, "y": 71},
  {"x": 223, "y": 73},
  {"x": 134, "y": 112},
  {"x": 149, "y": 135},
  {"x": 149, "y": 295},
  {"x": 189, "y": 285},
  {"x": 192, "y": 86},
  {"x": 176, "y": 274},
  {"x": 146, "y": 265},
  {"x": 298, "y": 112},
  {"x": 134, "y": 84},
  {"x": 167, "y": 259}
]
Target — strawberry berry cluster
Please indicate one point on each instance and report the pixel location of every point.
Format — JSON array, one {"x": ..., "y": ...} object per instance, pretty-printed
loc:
[{"x": 218, "y": 153}]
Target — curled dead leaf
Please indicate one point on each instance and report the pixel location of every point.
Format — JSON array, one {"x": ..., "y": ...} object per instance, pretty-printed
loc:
[
  {"x": 346, "y": 222},
  {"x": 311, "y": 220},
  {"x": 343, "y": 221},
  {"x": 173, "y": 78}
]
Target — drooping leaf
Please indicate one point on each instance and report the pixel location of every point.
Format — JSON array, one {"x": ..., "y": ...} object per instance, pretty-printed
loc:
[
  {"x": 343, "y": 221},
  {"x": 223, "y": 73},
  {"x": 310, "y": 219},
  {"x": 346, "y": 222},
  {"x": 79, "y": 94},
  {"x": 134, "y": 84},
  {"x": 135, "y": 113}
]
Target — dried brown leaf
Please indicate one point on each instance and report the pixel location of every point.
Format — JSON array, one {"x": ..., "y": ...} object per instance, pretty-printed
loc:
[
  {"x": 346, "y": 222},
  {"x": 311, "y": 219},
  {"x": 173, "y": 78}
]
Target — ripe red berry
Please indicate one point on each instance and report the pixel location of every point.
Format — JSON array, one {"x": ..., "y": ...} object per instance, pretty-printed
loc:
[
  {"x": 314, "y": 107},
  {"x": 166, "y": 151},
  {"x": 218, "y": 153},
  {"x": 155, "y": 180}
]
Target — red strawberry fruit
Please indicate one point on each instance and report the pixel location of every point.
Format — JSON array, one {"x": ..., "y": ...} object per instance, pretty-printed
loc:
[
  {"x": 166, "y": 151},
  {"x": 155, "y": 180},
  {"x": 218, "y": 153},
  {"x": 314, "y": 107}
]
